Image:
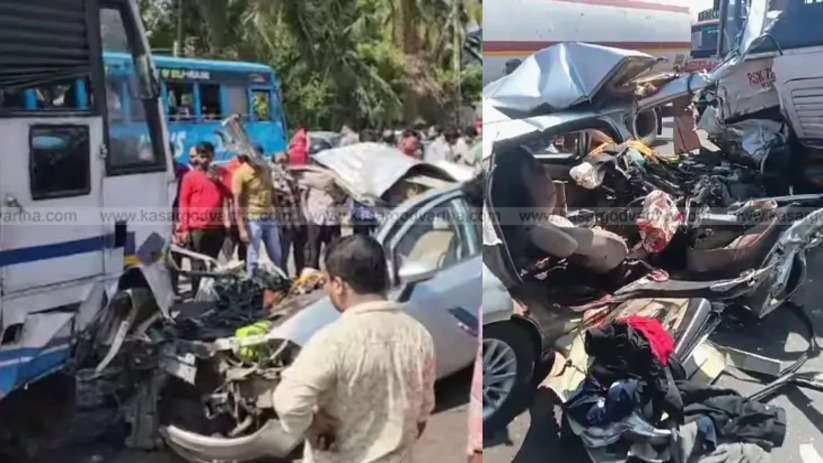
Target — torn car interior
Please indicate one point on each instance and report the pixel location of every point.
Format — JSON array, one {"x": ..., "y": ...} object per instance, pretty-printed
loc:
[{"x": 588, "y": 219}]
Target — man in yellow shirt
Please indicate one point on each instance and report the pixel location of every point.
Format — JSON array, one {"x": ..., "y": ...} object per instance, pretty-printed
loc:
[{"x": 252, "y": 191}]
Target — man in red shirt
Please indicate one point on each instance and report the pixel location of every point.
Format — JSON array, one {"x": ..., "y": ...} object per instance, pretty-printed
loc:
[{"x": 202, "y": 199}]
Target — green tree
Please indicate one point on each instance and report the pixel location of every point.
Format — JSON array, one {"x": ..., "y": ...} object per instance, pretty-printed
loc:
[{"x": 356, "y": 62}]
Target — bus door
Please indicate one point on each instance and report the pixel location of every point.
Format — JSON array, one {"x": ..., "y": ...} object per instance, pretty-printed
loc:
[{"x": 138, "y": 185}]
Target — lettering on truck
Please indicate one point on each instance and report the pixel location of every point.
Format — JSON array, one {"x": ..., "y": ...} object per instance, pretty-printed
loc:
[{"x": 763, "y": 78}]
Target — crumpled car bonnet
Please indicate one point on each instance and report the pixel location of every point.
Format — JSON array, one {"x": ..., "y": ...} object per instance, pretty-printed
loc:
[{"x": 567, "y": 74}]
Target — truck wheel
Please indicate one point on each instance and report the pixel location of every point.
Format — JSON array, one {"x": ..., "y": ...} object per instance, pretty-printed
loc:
[{"x": 508, "y": 369}]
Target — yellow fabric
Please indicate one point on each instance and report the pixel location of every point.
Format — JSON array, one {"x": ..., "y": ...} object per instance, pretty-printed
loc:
[
  {"x": 640, "y": 146},
  {"x": 255, "y": 190}
]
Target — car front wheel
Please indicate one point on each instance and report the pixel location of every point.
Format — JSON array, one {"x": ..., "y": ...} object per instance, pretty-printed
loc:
[{"x": 508, "y": 368}]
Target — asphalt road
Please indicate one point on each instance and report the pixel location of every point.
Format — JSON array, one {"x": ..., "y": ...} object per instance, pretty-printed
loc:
[
  {"x": 532, "y": 436},
  {"x": 444, "y": 440}
]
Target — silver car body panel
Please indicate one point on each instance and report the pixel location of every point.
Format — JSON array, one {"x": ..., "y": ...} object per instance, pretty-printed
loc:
[
  {"x": 498, "y": 304},
  {"x": 508, "y": 133},
  {"x": 370, "y": 169},
  {"x": 567, "y": 74},
  {"x": 271, "y": 440}
]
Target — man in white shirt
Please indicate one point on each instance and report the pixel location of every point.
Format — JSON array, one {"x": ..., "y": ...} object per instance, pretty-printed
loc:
[
  {"x": 443, "y": 147},
  {"x": 362, "y": 388}
]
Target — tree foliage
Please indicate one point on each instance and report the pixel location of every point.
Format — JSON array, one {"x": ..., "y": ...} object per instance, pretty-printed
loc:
[{"x": 363, "y": 63}]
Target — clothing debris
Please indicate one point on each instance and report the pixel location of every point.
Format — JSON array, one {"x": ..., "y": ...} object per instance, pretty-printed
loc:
[
  {"x": 660, "y": 340},
  {"x": 736, "y": 418}
]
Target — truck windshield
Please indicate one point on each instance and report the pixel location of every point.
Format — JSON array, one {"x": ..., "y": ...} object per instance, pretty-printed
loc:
[
  {"x": 790, "y": 24},
  {"x": 734, "y": 14},
  {"x": 765, "y": 25},
  {"x": 704, "y": 39}
]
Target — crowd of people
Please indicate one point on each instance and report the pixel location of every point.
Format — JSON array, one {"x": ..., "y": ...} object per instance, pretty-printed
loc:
[
  {"x": 241, "y": 206},
  {"x": 435, "y": 144}
]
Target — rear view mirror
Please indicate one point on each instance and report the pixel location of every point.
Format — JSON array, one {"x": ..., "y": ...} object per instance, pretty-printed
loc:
[{"x": 414, "y": 271}]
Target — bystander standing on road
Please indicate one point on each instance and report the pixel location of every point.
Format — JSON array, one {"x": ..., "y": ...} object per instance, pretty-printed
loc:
[
  {"x": 289, "y": 216},
  {"x": 443, "y": 147},
  {"x": 298, "y": 150},
  {"x": 252, "y": 191},
  {"x": 409, "y": 143},
  {"x": 363, "y": 218},
  {"x": 232, "y": 240},
  {"x": 321, "y": 203},
  {"x": 202, "y": 199},
  {"x": 468, "y": 146},
  {"x": 362, "y": 388}
]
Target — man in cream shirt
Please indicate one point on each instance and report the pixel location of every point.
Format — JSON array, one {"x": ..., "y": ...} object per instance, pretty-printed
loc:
[{"x": 362, "y": 388}]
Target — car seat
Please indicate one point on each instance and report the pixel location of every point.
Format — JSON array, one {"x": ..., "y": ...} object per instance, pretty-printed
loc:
[{"x": 523, "y": 188}]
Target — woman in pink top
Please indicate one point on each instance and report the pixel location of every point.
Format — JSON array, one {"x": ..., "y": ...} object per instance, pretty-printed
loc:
[{"x": 299, "y": 147}]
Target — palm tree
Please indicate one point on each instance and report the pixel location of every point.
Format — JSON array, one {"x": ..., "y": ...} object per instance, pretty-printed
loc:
[{"x": 362, "y": 62}]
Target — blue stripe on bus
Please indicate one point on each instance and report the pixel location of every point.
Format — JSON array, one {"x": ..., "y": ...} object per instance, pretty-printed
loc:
[
  {"x": 66, "y": 248},
  {"x": 16, "y": 374},
  {"x": 51, "y": 251},
  {"x": 9, "y": 354}
]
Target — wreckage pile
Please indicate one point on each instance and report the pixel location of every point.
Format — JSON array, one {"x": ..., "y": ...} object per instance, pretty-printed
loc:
[
  {"x": 634, "y": 402},
  {"x": 238, "y": 299},
  {"x": 665, "y": 197},
  {"x": 627, "y": 173}
]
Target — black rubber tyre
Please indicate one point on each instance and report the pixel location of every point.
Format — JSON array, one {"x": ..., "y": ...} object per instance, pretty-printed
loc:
[{"x": 521, "y": 342}]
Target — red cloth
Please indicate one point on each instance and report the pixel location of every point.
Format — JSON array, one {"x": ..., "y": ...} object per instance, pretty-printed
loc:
[
  {"x": 201, "y": 201},
  {"x": 659, "y": 339},
  {"x": 226, "y": 171},
  {"x": 299, "y": 147}
]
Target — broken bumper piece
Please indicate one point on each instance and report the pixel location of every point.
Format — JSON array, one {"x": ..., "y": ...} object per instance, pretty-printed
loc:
[{"x": 270, "y": 441}]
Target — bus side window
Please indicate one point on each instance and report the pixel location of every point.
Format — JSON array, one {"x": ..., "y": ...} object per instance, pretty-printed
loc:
[
  {"x": 65, "y": 94},
  {"x": 238, "y": 104},
  {"x": 262, "y": 106},
  {"x": 12, "y": 99},
  {"x": 181, "y": 101},
  {"x": 59, "y": 161},
  {"x": 59, "y": 95},
  {"x": 210, "y": 101}
]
